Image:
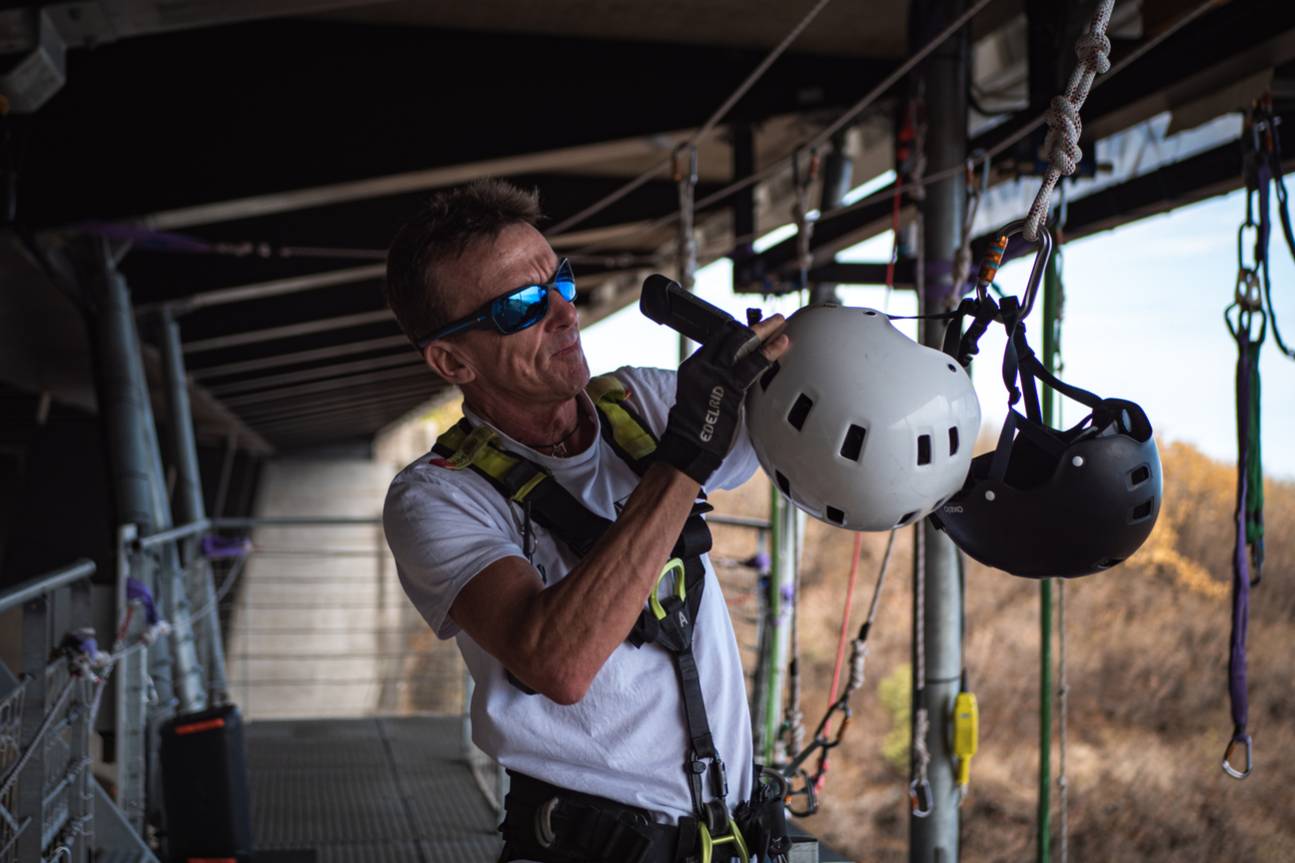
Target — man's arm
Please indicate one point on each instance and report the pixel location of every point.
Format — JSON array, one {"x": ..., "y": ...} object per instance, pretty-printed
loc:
[{"x": 556, "y": 638}]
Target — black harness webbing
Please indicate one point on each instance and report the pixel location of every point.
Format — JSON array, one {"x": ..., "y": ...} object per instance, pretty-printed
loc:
[{"x": 667, "y": 621}]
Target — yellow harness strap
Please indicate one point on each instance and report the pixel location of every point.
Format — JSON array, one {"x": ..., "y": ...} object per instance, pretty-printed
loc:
[{"x": 476, "y": 447}]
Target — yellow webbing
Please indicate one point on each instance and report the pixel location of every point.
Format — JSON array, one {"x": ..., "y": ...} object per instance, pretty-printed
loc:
[
  {"x": 476, "y": 448},
  {"x": 607, "y": 393}
]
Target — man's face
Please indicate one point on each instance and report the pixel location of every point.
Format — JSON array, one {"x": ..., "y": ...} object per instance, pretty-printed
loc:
[{"x": 544, "y": 363}]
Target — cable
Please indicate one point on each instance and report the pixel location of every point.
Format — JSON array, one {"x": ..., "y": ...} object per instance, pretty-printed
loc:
[
  {"x": 850, "y": 115},
  {"x": 714, "y": 119}
]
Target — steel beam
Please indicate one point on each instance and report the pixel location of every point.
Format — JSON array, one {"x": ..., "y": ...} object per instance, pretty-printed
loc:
[
  {"x": 276, "y": 360},
  {"x": 276, "y": 288},
  {"x": 338, "y": 406},
  {"x": 320, "y": 325},
  {"x": 237, "y": 403},
  {"x": 405, "y": 358}
]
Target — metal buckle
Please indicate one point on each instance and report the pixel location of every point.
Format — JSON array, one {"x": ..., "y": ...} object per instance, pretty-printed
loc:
[{"x": 544, "y": 823}]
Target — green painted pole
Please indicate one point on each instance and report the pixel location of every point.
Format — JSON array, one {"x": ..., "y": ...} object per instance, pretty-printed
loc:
[{"x": 1052, "y": 292}]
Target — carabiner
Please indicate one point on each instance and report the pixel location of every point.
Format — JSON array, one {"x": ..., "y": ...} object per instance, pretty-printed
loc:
[
  {"x": 734, "y": 837},
  {"x": 674, "y": 565},
  {"x": 994, "y": 259},
  {"x": 1241, "y": 233},
  {"x": 919, "y": 795},
  {"x": 1227, "y": 757}
]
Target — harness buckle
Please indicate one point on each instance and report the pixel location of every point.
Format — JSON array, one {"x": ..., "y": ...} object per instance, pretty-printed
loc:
[
  {"x": 1238, "y": 739},
  {"x": 1249, "y": 294},
  {"x": 544, "y": 833}
]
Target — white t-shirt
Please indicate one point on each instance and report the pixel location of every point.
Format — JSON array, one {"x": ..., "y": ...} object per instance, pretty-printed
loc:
[{"x": 626, "y": 740}]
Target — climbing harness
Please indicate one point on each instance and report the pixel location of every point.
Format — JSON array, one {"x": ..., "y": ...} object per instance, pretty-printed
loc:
[
  {"x": 666, "y": 621},
  {"x": 825, "y": 738},
  {"x": 1061, "y": 144}
]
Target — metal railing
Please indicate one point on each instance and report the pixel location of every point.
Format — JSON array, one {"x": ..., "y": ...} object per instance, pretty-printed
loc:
[{"x": 46, "y": 785}]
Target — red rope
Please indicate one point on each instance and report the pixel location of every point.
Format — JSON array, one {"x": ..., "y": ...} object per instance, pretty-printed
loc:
[{"x": 841, "y": 641}]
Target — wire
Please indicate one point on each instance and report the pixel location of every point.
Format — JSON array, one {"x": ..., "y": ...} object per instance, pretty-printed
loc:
[
  {"x": 850, "y": 115},
  {"x": 714, "y": 119}
]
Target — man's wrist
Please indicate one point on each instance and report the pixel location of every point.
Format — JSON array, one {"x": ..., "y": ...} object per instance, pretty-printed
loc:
[{"x": 687, "y": 458}]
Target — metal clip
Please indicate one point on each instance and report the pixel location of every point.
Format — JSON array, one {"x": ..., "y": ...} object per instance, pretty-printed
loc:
[
  {"x": 994, "y": 258},
  {"x": 919, "y": 791},
  {"x": 544, "y": 823},
  {"x": 1227, "y": 757}
]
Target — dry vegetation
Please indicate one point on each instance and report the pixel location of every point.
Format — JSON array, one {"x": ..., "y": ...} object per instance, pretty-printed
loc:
[{"x": 1148, "y": 717}]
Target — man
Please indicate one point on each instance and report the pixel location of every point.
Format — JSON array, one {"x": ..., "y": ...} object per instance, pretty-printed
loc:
[{"x": 592, "y": 728}]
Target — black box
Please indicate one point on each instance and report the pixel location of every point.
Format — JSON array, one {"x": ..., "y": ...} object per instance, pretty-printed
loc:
[{"x": 204, "y": 786}]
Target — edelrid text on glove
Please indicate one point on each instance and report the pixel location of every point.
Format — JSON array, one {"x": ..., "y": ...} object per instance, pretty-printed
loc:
[{"x": 708, "y": 401}]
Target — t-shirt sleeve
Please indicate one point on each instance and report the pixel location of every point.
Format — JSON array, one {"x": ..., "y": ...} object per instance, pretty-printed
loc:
[
  {"x": 441, "y": 538},
  {"x": 653, "y": 392}
]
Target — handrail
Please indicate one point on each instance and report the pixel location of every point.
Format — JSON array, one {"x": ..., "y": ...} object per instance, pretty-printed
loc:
[
  {"x": 48, "y": 583},
  {"x": 296, "y": 521},
  {"x": 162, "y": 537},
  {"x": 738, "y": 521}
]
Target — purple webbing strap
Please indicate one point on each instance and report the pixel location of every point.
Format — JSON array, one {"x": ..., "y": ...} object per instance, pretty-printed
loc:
[
  {"x": 136, "y": 590},
  {"x": 1237, "y": 689}
]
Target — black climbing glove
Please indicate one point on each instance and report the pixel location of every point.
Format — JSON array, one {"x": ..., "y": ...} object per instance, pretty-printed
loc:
[{"x": 708, "y": 400}]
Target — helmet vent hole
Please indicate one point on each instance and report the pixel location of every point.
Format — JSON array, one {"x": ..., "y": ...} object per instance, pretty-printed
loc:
[
  {"x": 1143, "y": 509},
  {"x": 800, "y": 411},
  {"x": 852, "y": 446},
  {"x": 768, "y": 376},
  {"x": 904, "y": 519},
  {"x": 870, "y": 313},
  {"x": 783, "y": 484},
  {"x": 952, "y": 367},
  {"x": 924, "y": 449},
  {"x": 1109, "y": 562},
  {"x": 1139, "y": 475},
  {"x": 953, "y": 440},
  {"x": 835, "y": 515}
]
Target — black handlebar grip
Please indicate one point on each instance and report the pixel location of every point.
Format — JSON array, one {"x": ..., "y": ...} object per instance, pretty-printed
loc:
[{"x": 666, "y": 302}]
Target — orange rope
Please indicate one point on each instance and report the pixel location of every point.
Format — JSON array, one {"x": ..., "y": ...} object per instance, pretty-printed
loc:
[{"x": 842, "y": 640}]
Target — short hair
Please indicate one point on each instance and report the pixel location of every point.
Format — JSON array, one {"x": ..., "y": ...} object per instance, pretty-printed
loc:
[{"x": 449, "y": 222}]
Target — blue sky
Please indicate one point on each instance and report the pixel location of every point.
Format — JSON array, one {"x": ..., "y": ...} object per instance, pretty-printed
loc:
[{"x": 1142, "y": 320}]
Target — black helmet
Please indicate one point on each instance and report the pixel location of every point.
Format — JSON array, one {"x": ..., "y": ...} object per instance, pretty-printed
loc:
[{"x": 1057, "y": 503}]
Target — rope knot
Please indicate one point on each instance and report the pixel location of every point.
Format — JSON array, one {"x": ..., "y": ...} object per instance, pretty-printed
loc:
[{"x": 1093, "y": 50}]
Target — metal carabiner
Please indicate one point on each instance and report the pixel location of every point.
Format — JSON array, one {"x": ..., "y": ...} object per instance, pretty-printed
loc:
[
  {"x": 1227, "y": 757},
  {"x": 994, "y": 259},
  {"x": 1241, "y": 234},
  {"x": 919, "y": 796}
]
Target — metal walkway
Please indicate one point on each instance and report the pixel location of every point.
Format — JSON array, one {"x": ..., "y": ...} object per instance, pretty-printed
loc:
[{"x": 372, "y": 790}]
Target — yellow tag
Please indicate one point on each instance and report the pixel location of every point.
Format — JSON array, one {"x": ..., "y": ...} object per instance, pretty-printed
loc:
[{"x": 966, "y": 733}]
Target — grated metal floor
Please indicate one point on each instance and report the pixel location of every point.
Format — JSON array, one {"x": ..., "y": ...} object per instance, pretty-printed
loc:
[{"x": 372, "y": 790}]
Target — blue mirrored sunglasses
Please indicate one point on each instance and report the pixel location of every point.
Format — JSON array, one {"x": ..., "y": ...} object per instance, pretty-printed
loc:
[{"x": 514, "y": 311}]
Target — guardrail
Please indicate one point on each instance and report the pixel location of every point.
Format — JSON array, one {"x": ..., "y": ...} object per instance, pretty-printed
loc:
[{"x": 46, "y": 787}]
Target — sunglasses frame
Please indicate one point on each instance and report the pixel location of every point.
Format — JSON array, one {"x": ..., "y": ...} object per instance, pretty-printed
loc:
[{"x": 486, "y": 314}]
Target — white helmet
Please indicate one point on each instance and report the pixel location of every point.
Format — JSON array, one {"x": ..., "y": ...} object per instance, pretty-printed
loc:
[{"x": 859, "y": 425}]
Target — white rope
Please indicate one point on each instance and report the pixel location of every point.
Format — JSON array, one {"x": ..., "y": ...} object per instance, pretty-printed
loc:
[
  {"x": 713, "y": 121},
  {"x": 1016, "y": 137},
  {"x": 1061, "y": 145}
]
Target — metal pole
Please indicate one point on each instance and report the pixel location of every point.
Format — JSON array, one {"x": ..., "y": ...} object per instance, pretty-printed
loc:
[
  {"x": 838, "y": 171},
  {"x": 944, "y": 78},
  {"x": 188, "y": 502}
]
